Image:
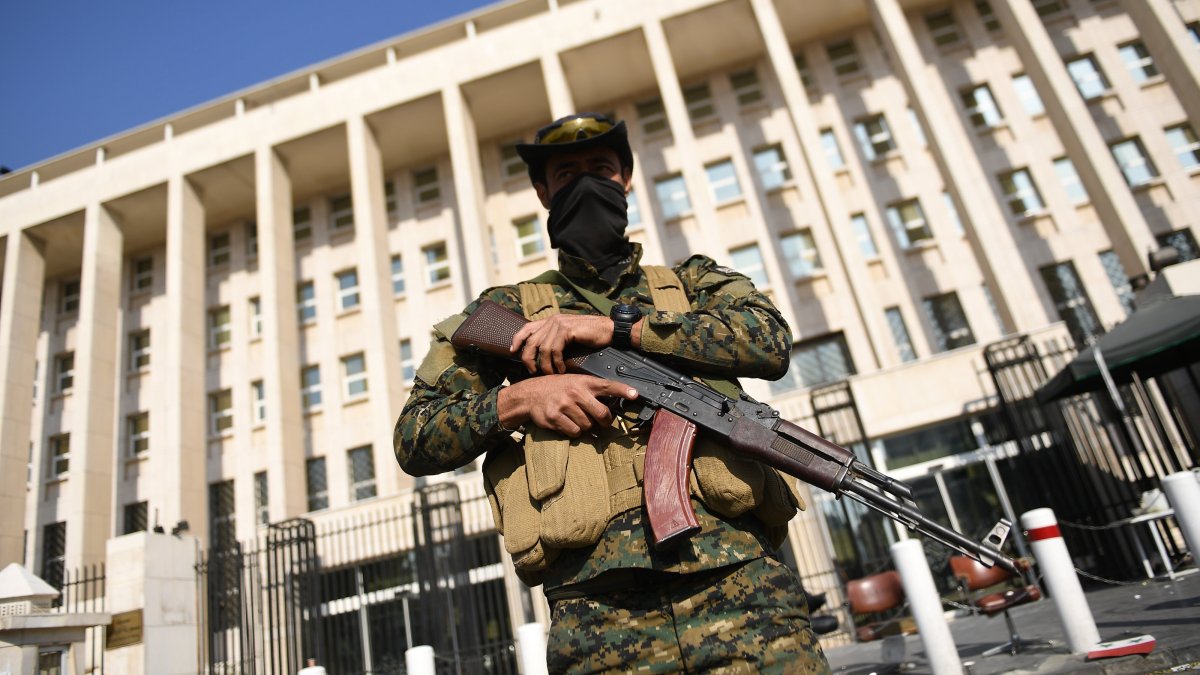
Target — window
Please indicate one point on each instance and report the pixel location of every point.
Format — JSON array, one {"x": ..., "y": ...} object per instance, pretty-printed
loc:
[
  {"x": 833, "y": 152},
  {"x": 918, "y": 130},
  {"x": 1138, "y": 61},
  {"x": 1119, "y": 279},
  {"x": 407, "y": 365},
  {"x": 306, "y": 302},
  {"x": 1046, "y": 8},
  {"x": 722, "y": 180},
  {"x": 981, "y": 107},
  {"x": 397, "y": 275},
  {"x": 953, "y": 211},
  {"x": 262, "y": 510},
  {"x": 256, "y": 326},
  {"x": 52, "y": 661},
  {"x": 801, "y": 254},
  {"x": 347, "y": 294},
  {"x": 942, "y": 28},
  {"x": 843, "y": 56},
  {"x": 68, "y": 296},
  {"x": 390, "y": 202},
  {"x": 698, "y": 99},
  {"x": 318, "y": 487},
  {"x": 362, "y": 473},
  {"x": 511, "y": 164},
  {"x": 310, "y": 387},
  {"x": 1071, "y": 301},
  {"x": 772, "y": 168},
  {"x": 633, "y": 211},
  {"x": 862, "y": 234},
  {"x": 222, "y": 519},
  {"x": 137, "y": 434},
  {"x": 354, "y": 369},
  {"x": 746, "y": 87},
  {"x": 219, "y": 333},
  {"x": 1183, "y": 241},
  {"x": 251, "y": 240},
  {"x": 220, "y": 413},
  {"x": 135, "y": 518},
  {"x": 301, "y": 223},
  {"x": 748, "y": 260},
  {"x": 139, "y": 350},
  {"x": 904, "y": 346},
  {"x": 529, "y": 237},
  {"x": 60, "y": 455},
  {"x": 908, "y": 222},
  {"x": 806, "y": 78},
  {"x": 1185, "y": 145},
  {"x": 1069, "y": 179},
  {"x": 948, "y": 322},
  {"x": 1194, "y": 30},
  {"x": 1131, "y": 157},
  {"x": 54, "y": 554},
  {"x": 672, "y": 196},
  {"x": 65, "y": 367},
  {"x": 218, "y": 249},
  {"x": 426, "y": 188},
  {"x": 814, "y": 362},
  {"x": 1031, "y": 103},
  {"x": 341, "y": 213},
  {"x": 258, "y": 394},
  {"x": 142, "y": 278},
  {"x": 437, "y": 263},
  {"x": 874, "y": 136},
  {"x": 651, "y": 116},
  {"x": 1088, "y": 77},
  {"x": 987, "y": 15},
  {"x": 1020, "y": 192}
]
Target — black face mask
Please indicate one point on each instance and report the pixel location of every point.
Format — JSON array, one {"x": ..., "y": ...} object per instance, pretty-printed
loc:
[{"x": 588, "y": 220}]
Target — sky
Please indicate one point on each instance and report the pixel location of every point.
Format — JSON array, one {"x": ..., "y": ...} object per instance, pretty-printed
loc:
[{"x": 75, "y": 71}]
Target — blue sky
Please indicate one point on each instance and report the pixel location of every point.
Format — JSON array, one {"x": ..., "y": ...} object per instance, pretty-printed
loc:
[{"x": 75, "y": 71}]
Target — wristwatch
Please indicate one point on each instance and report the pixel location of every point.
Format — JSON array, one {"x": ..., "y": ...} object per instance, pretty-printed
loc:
[{"x": 624, "y": 316}]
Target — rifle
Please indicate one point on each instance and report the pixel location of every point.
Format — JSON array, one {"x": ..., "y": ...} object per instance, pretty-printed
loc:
[{"x": 677, "y": 405}]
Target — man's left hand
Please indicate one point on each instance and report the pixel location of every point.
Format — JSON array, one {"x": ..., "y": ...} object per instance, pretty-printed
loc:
[{"x": 540, "y": 343}]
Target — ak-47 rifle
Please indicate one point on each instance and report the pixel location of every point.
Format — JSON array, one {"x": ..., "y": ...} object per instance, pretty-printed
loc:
[{"x": 678, "y": 404}]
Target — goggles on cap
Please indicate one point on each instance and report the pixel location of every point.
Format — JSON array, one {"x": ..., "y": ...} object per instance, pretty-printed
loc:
[{"x": 573, "y": 129}]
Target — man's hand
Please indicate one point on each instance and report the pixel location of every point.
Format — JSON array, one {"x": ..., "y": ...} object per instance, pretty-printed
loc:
[
  {"x": 540, "y": 344},
  {"x": 568, "y": 404}
]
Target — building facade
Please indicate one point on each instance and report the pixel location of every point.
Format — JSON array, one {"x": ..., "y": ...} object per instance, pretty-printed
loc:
[{"x": 215, "y": 317}]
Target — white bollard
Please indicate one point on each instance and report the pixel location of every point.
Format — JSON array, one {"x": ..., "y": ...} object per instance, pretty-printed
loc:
[
  {"x": 926, "y": 606},
  {"x": 419, "y": 661},
  {"x": 1058, "y": 571},
  {"x": 532, "y": 638},
  {"x": 1183, "y": 492}
]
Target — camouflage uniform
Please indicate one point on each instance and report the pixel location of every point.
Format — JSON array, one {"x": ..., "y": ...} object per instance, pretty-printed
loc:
[{"x": 451, "y": 418}]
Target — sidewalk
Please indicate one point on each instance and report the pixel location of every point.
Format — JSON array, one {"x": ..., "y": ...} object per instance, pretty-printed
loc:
[{"x": 1167, "y": 609}]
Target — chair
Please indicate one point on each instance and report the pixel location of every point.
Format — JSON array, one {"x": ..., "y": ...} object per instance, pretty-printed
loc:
[
  {"x": 973, "y": 576},
  {"x": 870, "y": 595}
]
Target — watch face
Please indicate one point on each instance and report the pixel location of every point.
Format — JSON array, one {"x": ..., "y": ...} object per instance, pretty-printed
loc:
[{"x": 627, "y": 312}]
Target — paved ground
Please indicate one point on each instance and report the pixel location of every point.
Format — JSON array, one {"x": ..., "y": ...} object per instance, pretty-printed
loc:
[{"x": 1167, "y": 609}]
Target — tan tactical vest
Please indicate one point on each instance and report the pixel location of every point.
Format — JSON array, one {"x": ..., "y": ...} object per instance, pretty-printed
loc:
[{"x": 554, "y": 492}]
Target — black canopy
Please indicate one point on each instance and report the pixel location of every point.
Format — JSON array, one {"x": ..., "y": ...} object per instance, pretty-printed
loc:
[{"x": 1153, "y": 340}]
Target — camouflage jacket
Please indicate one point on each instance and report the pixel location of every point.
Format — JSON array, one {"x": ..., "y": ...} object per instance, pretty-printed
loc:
[{"x": 734, "y": 331}]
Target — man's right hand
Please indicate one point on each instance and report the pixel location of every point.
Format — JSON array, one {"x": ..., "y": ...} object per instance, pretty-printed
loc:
[{"x": 569, "y": 404}]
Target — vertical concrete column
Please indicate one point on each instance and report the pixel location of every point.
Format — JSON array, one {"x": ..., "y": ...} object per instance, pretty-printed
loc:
[
  {"x": 94, "y": 404},
  {"x": 1119, "y": 213},
  {"x": 182, "y": 485},
  {"x": 20, "y": 322},
  {"x": 991, "y": 239},
  {"x": 281, "y": 337},
  {"x": 386, "y": 383},
  {"x": 558, "y": 92},
  {"x": 1173, "y": 49},
  {"x": 683, "y": 137},
  {"x": 829, "y": 198},
  {"x": 475, "y": 261}
]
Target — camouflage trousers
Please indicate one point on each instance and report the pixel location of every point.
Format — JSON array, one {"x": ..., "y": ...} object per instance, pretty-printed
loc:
[{"x": 746, "y": 618}]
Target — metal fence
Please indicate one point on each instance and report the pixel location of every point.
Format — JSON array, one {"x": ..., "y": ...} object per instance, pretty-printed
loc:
[{"x": 82, "y": 591}]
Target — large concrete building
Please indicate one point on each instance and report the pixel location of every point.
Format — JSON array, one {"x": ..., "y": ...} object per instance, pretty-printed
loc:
[{"x": 217, "y": 315}]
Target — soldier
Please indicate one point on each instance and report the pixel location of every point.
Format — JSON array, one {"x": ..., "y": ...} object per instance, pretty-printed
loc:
[{"x": 563, "y": 471}]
